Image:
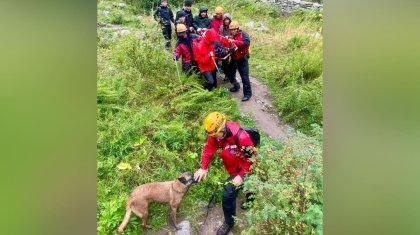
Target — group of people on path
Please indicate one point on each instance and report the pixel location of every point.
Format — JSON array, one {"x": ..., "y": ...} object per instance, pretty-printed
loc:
[{"x": 211, "y": 45}]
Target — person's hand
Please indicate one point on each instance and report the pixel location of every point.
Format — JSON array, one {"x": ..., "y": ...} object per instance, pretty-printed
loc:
[
  {"x": 237, "y": 181},
  {"x": 191, "y": 29},
  {"x": 200, "y": 174},
  {"x": 231, "y": 40}
]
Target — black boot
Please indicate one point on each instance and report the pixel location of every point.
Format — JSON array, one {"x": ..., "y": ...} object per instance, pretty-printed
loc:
[
  {"x": 235, "y": 87},
  {"x": 246, "y": 98},
  {"x": 224, "y": 229},
  {"x": 168, "y": 45}
]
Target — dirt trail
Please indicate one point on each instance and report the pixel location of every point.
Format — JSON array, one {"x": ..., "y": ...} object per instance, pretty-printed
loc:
[{"x": 261, "y": 109}]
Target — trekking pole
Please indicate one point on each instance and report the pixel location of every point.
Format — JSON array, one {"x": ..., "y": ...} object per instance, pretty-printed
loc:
[
  {"x": 213, "y": 195},
  {"x": 214, "y": 61},
  {"x": 179, "y": 77}
]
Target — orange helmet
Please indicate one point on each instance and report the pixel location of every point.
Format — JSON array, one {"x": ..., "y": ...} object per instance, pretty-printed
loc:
[
  {"x": 214, "y": 123},
  {"x": 218, "y": 10},
  {"x": 234, "y": 25},
  {"x": 181, "y": 28}
]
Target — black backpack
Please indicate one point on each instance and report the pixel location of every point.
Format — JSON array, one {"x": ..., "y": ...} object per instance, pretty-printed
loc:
[{"x": 252, "y": 132}]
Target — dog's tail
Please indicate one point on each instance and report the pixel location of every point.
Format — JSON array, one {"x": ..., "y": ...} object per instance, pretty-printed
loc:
[{"x": 126, "y": 216}]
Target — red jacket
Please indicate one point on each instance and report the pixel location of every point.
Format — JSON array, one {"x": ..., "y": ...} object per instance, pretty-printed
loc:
[
  {"x": 184, "y": 51},
  {"x": 216, "y": 23},
  {"x": 242, "y": 41},
  {"x": 201, "y": 50},
  {"x": 233, "y": 159}
]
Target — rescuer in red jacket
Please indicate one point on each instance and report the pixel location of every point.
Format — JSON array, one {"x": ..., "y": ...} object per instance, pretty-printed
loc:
[
  {"x": 222, "y": 135},
  {"x": 183, "y": 48},
  {"x": 239, "y": 61},
  {"x": 204, "y": 56},
  {"x": 217, "y": 19}
]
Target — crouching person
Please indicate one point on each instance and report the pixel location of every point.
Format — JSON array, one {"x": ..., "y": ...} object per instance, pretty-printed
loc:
[
  {"x": 227, "y": 135},
  {"x": 183, "y": 48}
]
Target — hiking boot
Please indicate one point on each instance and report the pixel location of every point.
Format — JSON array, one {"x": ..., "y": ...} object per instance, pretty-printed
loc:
[
  {"x": 246, "y": 98},
  {"x": 234, "y": 89},
  {"x": 224, "y": 229}
]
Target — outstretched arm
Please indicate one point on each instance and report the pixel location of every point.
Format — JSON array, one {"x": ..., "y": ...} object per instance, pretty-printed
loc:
[{"x": 210, "y": 148}]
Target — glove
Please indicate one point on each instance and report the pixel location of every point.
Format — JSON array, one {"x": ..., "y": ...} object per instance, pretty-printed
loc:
[{"x": 248, "y": 151}]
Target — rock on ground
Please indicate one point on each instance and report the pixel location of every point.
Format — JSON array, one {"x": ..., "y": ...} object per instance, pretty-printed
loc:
[{"x": 185, "y": 228}]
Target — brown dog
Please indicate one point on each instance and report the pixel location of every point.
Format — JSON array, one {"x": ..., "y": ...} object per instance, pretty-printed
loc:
[{"x": 169, "y": 191}]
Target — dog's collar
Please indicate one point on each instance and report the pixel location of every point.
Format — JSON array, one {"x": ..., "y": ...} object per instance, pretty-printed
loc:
[{"x": 177, "y": 190}]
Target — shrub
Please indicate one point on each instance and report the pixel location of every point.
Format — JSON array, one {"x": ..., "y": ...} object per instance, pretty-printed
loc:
[{"x": 288, "y": 188}]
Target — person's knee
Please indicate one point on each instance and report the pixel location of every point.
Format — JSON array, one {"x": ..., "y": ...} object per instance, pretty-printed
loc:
[{"x": 229, "y": 192}]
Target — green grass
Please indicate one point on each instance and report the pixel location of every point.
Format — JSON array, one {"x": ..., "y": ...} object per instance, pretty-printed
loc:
[{"x": 147, "y": 119}]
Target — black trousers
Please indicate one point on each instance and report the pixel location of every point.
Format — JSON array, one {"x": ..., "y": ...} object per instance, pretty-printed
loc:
[
  {"x": 187, "y": 69},
  {"x": 230, "y": 193},
  {"x": 167, "y": 34},
  {"x": 243, "y": 68},
  {"x": 211, "y": 80}
]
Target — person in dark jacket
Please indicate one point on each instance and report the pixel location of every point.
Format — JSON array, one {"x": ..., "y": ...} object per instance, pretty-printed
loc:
[
  {"x": 181, "y": 18},
  {"x": 188, "y": 15},
  {"x": 202, "y": 21},
  {"x": 183, "y": 47},
  {"x": 239, "y": 61},
  {"x": 164, "y": 16},
  {"x": 227, "y": 135}
]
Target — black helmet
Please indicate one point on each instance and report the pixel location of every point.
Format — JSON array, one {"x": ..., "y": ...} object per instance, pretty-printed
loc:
[
  {"x": 188, "y": 3},
  {"x": 203, "y": 8},
  {"x": 181, "y": 14}
]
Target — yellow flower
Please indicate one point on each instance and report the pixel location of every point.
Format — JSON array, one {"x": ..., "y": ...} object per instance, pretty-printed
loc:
[{"x": 123, "y": 166}]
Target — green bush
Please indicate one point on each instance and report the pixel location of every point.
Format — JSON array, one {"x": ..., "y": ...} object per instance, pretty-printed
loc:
[{"x": 288, "y": 188}]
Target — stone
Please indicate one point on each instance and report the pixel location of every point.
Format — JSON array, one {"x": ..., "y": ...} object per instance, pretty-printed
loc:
[
  {"x": 250, "y": 24},
  {"x": 105, "y": 13},
  {"x": 141, "y": 35},
  {"x": 262, "y": 28},
  {"x": 120, "y": 5},
  {"x": 124, "y": 32},
  {"x": 185, "y": 228}
]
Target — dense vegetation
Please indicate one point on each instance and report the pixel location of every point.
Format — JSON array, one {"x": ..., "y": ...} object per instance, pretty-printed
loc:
[{"x": 152, "y": 120}]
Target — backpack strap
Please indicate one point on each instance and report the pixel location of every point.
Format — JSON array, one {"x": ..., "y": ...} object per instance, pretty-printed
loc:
[{"x": 237, "y": 137}]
